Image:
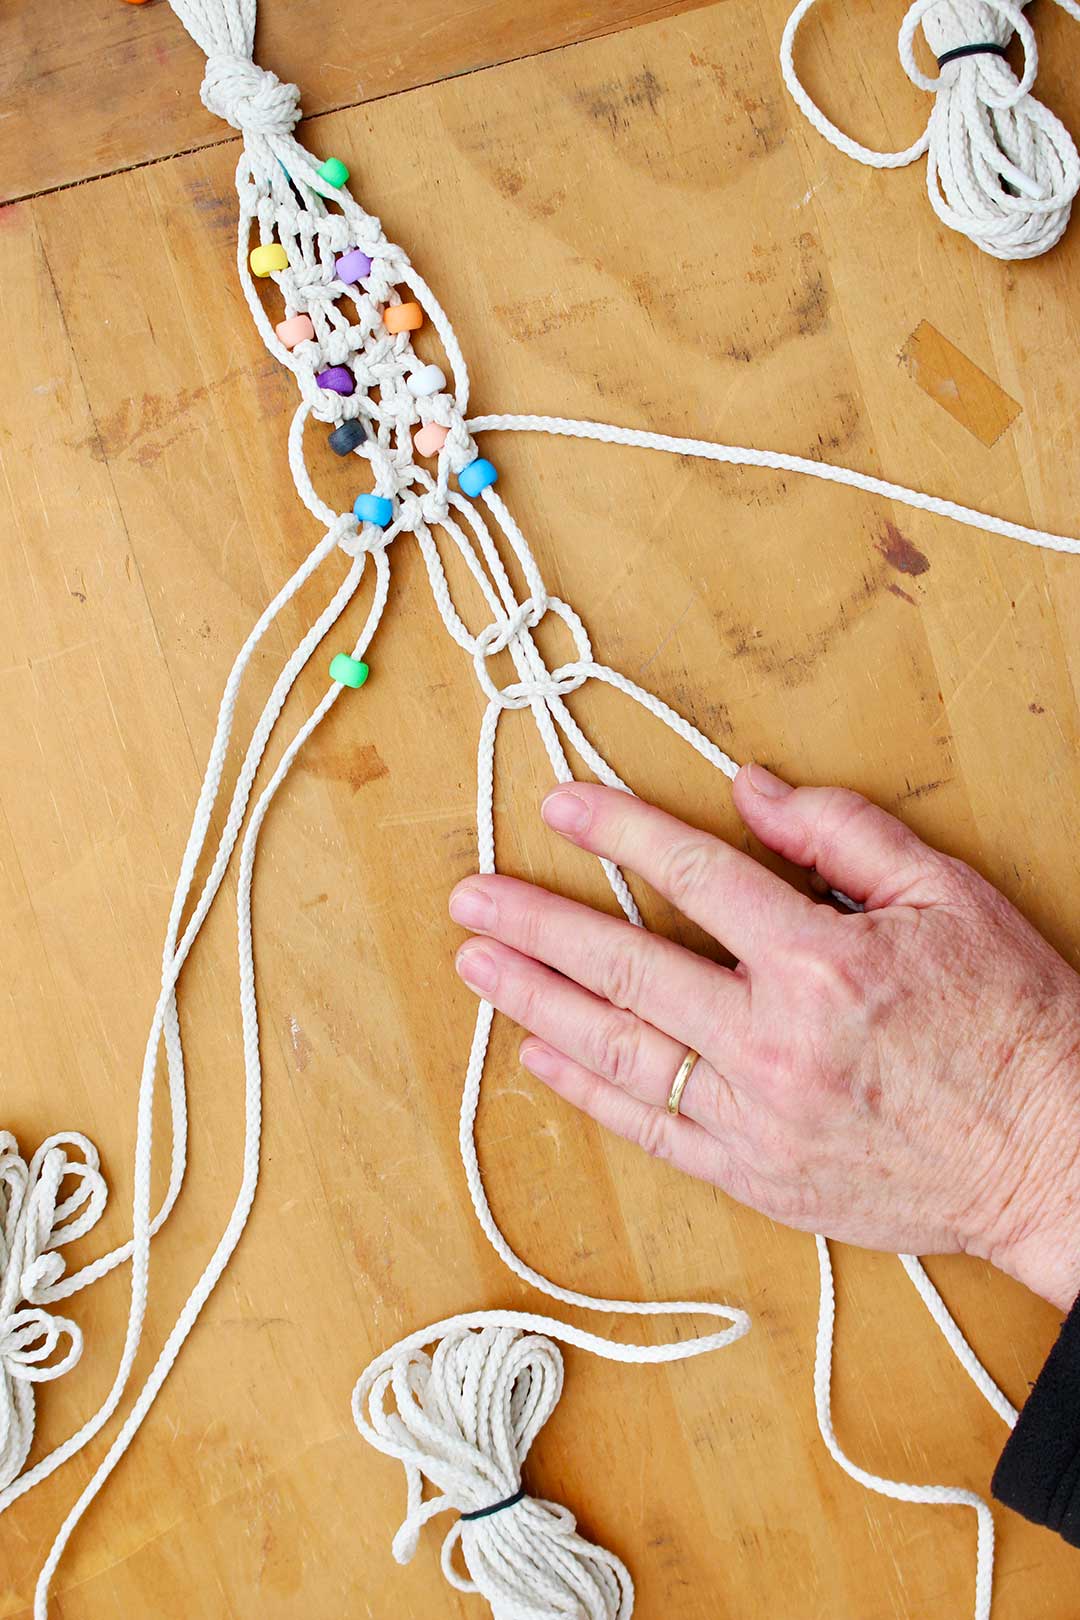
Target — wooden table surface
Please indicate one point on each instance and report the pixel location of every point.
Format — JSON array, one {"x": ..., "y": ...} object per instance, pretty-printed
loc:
[{"x": 636, "y": 226}]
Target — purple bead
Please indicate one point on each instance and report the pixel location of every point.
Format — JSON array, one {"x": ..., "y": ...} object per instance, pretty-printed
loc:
[
  {"x": 353, "y": 266},
  {"x": 337, "y": 378}
]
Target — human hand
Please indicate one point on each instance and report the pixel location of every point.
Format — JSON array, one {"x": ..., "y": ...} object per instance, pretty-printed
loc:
[{"x": 906, "y": 1077}]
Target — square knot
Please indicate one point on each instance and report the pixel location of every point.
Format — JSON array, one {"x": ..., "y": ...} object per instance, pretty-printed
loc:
[{"x": 416, "y": 510}]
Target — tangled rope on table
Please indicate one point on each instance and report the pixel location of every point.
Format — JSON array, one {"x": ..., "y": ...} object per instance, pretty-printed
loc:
[
  {"x": 465, "y": 1412},
  {"x": 36, "y": 1221},
  {"x": 1001, "y": 168}
]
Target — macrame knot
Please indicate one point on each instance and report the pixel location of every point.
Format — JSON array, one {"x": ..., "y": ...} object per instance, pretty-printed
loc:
[
  {"x": 415, "y": 510},
  {"x": 537, "y": 681},
  {"x": 250, "y": 98}
]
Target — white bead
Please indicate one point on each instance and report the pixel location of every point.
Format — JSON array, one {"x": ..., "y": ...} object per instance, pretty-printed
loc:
[{"x": 425, "y": 380}]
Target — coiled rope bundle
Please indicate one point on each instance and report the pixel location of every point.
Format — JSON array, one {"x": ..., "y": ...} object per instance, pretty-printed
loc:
[
  {"x": 1000, "y": 167},
  {"x": 35, "y": 1223},
  {"x": 464, "y": 1414},
  {"x": 464, "y": 1417}
]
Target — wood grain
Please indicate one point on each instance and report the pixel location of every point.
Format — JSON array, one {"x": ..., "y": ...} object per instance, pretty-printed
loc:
[
  {"x": 121, "y": 87},
  {"x": 636, "y": 228}
]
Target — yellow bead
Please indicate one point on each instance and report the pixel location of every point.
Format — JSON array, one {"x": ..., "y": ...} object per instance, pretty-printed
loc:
[{"x": 268, "y": 258}]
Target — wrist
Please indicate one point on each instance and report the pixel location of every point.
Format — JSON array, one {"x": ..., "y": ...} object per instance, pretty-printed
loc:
[{"x": 1035, "y": 1237}]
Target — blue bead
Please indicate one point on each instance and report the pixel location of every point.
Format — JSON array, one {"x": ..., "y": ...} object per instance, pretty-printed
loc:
[
  {"x": 373, "y": 509},
  {"x": 478, "y": 475}
]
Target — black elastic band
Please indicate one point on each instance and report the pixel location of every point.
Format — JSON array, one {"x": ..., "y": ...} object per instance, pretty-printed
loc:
[
  {"x": 496, "y": 1507},
  {"x": 989, "y": 49}
]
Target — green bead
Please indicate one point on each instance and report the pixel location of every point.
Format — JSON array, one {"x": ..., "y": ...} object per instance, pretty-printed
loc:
[
  {"x": 349, "y": 671},
  {"x": 334, "y": 172}
]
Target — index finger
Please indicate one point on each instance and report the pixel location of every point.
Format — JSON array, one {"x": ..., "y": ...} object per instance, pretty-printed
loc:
[{"x": 728, "y": 893}]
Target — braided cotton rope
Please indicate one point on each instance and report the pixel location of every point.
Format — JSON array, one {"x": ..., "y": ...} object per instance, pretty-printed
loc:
[
  {"x": 1000, "y": 167},
  {"x": 35, "y": 1223},
  {"x": 464, "y": 1415}
]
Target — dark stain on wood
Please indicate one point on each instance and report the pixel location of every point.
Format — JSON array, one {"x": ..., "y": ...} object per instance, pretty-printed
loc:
[
  {"x": 147, "y": 428},
  {"x": 358, "y": 767},
  {"x": 804, "y": 311},
  {"x": 214, "y": 207},
  {"x": 508, "y": 182},
  {"x": 899, "y": 552},
  {"x": 613, "y": 103},
  {"x": 794, "y": 667}
]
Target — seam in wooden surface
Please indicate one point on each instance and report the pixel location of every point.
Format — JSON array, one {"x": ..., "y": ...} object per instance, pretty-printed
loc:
[{"x": 654, "y": 14}]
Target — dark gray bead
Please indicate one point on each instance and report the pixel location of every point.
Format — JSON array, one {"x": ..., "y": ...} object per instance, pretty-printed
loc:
[{"x": 347, "y": 436}]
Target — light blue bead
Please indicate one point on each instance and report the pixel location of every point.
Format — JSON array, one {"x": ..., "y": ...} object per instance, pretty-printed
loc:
[
  {"x": 374, "y": 509},
  {"x": 478, "y": 475}
]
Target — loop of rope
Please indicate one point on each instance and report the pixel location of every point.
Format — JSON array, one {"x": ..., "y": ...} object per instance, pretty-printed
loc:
[{"x": 1001, "y": 168}]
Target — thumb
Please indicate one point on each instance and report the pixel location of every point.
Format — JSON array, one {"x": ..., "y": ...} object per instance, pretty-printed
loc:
[{"x": 855, "y": 846}]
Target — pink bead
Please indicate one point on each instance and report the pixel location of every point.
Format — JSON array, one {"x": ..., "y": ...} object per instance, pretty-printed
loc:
[
  {"x": 430, "y": 439},
  {"x": 297, "y": 329}
]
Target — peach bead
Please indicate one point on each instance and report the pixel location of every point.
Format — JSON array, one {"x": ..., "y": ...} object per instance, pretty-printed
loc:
[
  {"x": 297, "y": 329},
  {"x": 430, "y": 439},
  {"x": 403, "y": 317}
]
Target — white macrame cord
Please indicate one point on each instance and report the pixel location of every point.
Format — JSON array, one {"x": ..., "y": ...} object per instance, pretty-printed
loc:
[
  {"x": 1000, "y": 167},
  {"x": 457, "y": 1403}
]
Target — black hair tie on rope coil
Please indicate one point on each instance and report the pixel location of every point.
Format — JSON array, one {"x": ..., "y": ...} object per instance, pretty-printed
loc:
[
  {"x": 988, "y": 49},
  {"x": 496, "y": 1507}
]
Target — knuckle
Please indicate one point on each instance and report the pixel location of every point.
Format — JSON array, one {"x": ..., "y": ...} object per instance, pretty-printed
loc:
[
  {"x": 825, "y": 973},
  {"x": 653, "y": 1134},
  {"x": 531, "y": 998},
  {"x": 619, "y": 1048},
  {"x": 622, "y": 974},
  {"x": 685, "y": 869},
  {"x": 528, "y": 926},
  {"x": 842, "y": 811}
]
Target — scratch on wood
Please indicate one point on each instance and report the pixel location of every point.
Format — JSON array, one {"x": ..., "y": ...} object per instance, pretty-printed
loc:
[{"x": 300, "y": 1044}]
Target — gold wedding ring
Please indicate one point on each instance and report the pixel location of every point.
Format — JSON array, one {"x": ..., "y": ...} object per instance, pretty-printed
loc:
[{"x": 686, "y": 1069}]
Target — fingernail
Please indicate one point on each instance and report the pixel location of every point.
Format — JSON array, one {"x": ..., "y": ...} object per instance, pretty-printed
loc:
[
  {"x": 472, "y": 908},
  {"x": 565, "y": 811},
  {"x": 539, "y": 1060},
  {"x": 763, "y": 781},
  {"x": 477, "y": 968}
]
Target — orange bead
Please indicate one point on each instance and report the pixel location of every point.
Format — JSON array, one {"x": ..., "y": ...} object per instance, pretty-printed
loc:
[
  {"x": 430, "y": 439},
  {"x": 403, "y": 317}
]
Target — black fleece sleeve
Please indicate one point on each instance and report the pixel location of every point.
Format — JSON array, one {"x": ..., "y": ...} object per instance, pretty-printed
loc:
[{"x": 1038, "y": 1473}]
